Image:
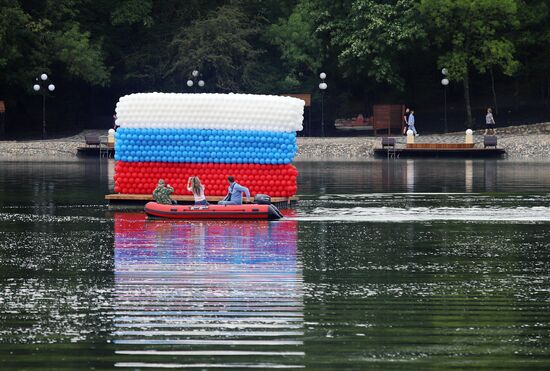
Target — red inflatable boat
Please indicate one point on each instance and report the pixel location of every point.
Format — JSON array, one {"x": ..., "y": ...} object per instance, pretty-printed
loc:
[{"x": 246, "y": 211}]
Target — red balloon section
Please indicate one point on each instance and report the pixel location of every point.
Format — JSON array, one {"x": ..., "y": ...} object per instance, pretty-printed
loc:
[{"x": 142, "y": 177}]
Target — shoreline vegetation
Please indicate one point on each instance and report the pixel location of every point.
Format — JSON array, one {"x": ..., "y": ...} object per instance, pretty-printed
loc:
[{"x": 523, "y": 142}]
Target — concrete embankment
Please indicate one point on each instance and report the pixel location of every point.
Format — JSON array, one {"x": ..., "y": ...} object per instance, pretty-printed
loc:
[
  {"x": 529, "y": 142},
  {"x": 520, "y": 142}
]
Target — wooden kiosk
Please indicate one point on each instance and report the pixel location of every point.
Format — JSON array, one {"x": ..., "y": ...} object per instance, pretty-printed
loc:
[{"x": 388, "y": 117}]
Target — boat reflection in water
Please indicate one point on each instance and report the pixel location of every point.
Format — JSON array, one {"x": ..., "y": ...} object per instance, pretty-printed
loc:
[{"x": 207, "y": 294}]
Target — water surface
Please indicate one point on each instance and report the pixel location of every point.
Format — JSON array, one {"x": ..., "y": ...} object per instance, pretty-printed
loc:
[{"x": 383, "y": 264}]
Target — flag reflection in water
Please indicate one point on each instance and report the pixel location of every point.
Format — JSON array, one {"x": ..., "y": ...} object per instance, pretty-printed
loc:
[{"x": 207, "y": 294}]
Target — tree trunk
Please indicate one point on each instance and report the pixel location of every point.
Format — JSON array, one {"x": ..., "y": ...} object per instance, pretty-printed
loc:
[
  {"x": 494, "y": 91},
  {"x": 466, "y": 82},
  {"x": 2, "y": 125}
]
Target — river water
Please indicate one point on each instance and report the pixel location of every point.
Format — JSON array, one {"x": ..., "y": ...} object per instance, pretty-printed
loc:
[{"x": 382, "y": 265}]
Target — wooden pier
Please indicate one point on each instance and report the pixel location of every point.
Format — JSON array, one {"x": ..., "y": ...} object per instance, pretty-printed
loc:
[
  {"x": 438, "y": 150},
  {"x": 119, "y": 200},
  {"x": 97, "y": 146},
  {"x": 95, "y": 152}
]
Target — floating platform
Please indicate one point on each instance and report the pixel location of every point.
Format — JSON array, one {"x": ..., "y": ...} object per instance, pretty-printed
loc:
[
  {"x": 427, "y": 151},
  {"x": 119, "y": 200},
  {"x": 440, "y": 145},
  {"x": 96, "y": 152}
]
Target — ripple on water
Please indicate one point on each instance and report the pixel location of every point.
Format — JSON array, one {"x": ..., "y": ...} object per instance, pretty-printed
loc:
[
  {"x": 426, "y": 294},
  {"x": 339, "y": 292},
  {"x": 427, "y": 207}
]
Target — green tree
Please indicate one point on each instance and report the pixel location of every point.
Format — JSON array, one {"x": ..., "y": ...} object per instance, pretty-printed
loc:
[
  {"x": 472, "y": 34},
  {"x": 371, "y": 36},
  {"x": 533, "y": 44},
  {"x": 16, "y": 43},
  {"x": 150, "y": 25},
  {"x": 220, "y": 46},
  {"x": 129, "y": 12},
  {"x": 299, "y": 46},
  {"x": 35, "y": 38}
]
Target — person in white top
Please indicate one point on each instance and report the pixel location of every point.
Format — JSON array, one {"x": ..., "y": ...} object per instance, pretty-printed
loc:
[
  {"x": 490, "y": 122},
  {"x": 194, "y": 186}
]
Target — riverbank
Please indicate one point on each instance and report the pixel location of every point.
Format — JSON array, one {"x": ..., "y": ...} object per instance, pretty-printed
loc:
[
  {"x": 62, "y": 149},
  {"x": 529, "y": 142},
  {"x": 525, "y": 142}
]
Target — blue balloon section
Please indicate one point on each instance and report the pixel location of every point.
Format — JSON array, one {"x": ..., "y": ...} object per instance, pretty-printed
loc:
[{"x": 214, "y": 146}]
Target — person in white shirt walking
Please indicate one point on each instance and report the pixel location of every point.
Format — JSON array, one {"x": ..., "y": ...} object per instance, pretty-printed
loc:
[{"x": 490, "y": 122}]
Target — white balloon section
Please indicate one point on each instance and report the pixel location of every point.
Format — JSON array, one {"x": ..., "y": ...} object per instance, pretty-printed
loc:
[{"x": 210, "y": 111}]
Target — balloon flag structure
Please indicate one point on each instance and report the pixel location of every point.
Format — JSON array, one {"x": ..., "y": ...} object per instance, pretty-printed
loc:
[{"x": 174, "y": 136}]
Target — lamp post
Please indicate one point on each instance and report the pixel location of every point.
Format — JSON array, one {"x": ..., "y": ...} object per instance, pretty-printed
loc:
[
  {"x": 323, "y": 86},
  {"x": 42, "y": 83},
  {"x": 445, "y": 82},
  {"x": 195, "y": 76}
]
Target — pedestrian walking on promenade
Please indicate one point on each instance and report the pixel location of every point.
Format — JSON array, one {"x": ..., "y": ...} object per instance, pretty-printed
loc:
[
  {"x": 406, "y": 120},
  {"x": 490, "y": 122},
  {"x": 411, "y": 122}
]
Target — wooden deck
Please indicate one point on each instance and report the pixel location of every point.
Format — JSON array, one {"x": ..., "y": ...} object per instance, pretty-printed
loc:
[
  {"x": 434, "y": 152},
  {"x": 89, "y": 151},
  {"x": 119, "y": 199},
  {"x": 440, "y": 145}
]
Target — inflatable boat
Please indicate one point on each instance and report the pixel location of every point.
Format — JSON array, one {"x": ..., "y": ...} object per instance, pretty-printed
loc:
[{"x": 245, "y": 211}]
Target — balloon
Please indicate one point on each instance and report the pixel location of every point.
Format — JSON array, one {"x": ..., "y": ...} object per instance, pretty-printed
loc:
[{"x": 219, "y": 152}]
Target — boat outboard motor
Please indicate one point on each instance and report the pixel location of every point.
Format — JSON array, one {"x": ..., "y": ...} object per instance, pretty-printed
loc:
[
  {"x": 262, "y": 199},
  {"x": 273, "y": 213}
]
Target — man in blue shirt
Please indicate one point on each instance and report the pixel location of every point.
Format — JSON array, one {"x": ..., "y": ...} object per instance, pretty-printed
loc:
[
  {"x": 411, "y": 123},
  {"x": 235, "y": 193}
]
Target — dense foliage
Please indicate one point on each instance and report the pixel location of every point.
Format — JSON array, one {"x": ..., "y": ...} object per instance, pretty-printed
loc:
[
  {"x": 373, "y": 51},
  {"x": 475, "y": 35}
]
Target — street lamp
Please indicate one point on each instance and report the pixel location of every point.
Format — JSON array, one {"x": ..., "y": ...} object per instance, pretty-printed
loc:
[
  {"x": 195, "y": 75},
  {"x": 42, "y": 83},
  {"x": 323, "y": 86},
  {"x": 445, "y": 82}
]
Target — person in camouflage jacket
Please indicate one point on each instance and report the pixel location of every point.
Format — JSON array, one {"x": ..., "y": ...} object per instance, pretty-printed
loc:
[{"x": 162, "y": 193}]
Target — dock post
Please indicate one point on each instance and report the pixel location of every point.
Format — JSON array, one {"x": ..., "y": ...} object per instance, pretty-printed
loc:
[
  {"x": 410, "y": 137},
  {"x": 469, "y": 136}
]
